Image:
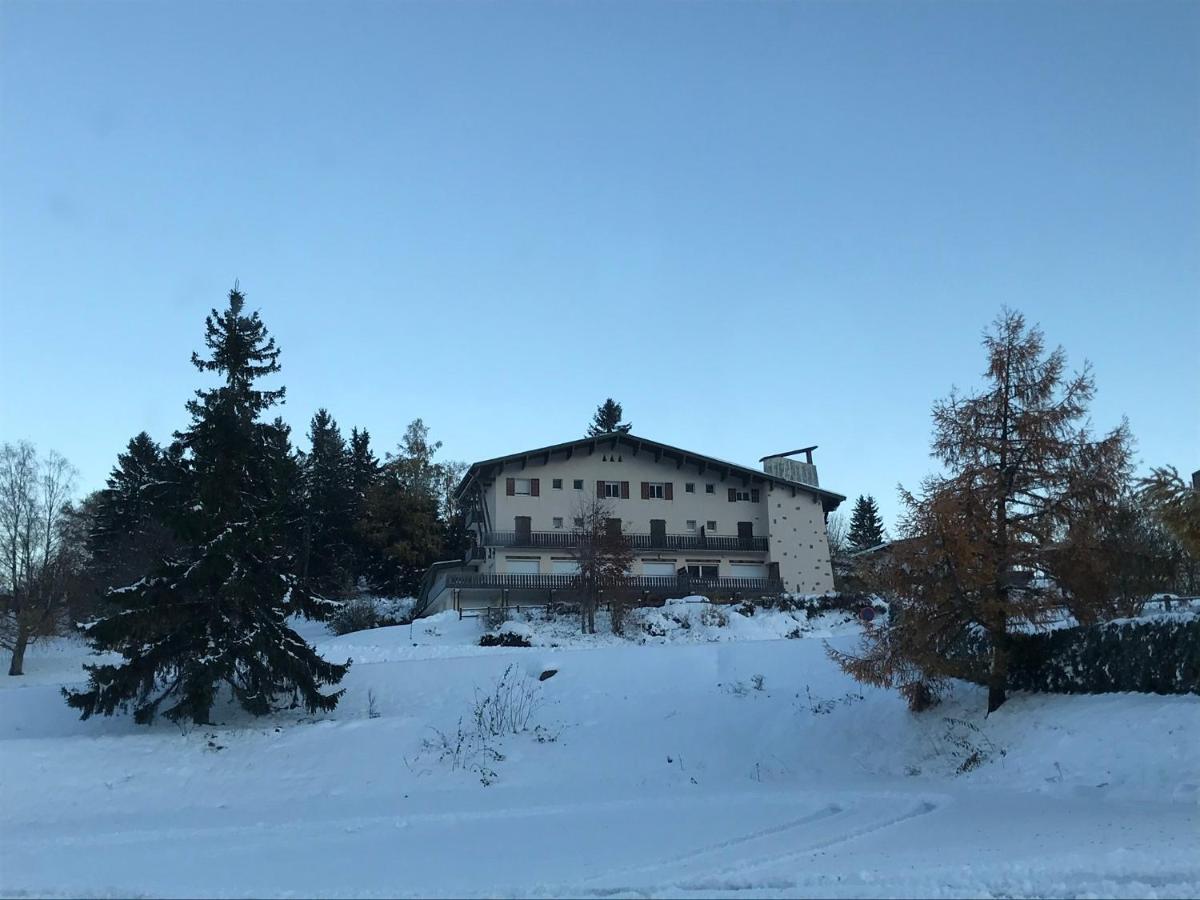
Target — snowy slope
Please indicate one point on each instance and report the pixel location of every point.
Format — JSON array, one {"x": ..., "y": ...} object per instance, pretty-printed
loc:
[{"x": 747, "y": 767}]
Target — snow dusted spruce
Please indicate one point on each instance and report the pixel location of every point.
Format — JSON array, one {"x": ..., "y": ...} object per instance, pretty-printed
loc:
[{"x": 215, "y": 611}]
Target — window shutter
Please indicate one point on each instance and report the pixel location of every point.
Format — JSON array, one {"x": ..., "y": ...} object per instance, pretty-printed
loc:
[
  {"x": 599, "y": 488},
  {"x": 732, "y": 495},
  {"x": 510, "y": 486},
  {"x": 535, "y": 487},
  {"x": 670, "y": 490},
  {"x": 645, "y": 490},
  {"x": 624, "y": 490}
]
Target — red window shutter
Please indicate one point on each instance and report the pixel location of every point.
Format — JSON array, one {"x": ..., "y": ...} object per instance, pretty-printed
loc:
[
  {"x": 510, "y": 486},
  {"x": 732, "y": 495},
  {"x": 670, "y": 490},
  {"x": 624, "y": 490},
  {"x": 645, "y": 490},
  {"x": 599, "y": 488},
  {"x": 535, "y": 487}
]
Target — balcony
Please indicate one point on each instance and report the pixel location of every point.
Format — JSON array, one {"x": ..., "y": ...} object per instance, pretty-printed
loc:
[
  {"x": 565, "y": 540},
  {"x": 673, "y": 585}
]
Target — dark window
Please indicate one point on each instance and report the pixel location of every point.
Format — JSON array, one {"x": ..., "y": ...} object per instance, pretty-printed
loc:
[
  {"x": 612, "y": 489},
  {"x": 689, "y": 487},
  {"x": 556, "y": 484},
  {"x": 579, "y": 484},
  {"x": 710, "y": 489}
]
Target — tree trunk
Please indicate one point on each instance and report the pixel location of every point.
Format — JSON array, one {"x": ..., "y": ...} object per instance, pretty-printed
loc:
[
  {"x": 998, "y": 675},
  {"x": 17, "y": 666}
]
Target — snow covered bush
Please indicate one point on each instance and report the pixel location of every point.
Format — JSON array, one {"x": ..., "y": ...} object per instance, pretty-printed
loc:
[
  {"x": 362, "y": 613},
  {"x": 1155, "y": 654},
  {"x": 510, "y": 634}
]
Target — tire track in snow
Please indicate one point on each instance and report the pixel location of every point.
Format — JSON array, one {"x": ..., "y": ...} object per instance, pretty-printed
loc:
[
  {"x": 825, "y": 812},
  {"x": 725, "y": 878}
]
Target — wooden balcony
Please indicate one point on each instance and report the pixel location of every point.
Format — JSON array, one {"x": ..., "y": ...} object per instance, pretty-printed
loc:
[
  {"x": 674, "y": 585},
  {"x": 565, "y": 540}
]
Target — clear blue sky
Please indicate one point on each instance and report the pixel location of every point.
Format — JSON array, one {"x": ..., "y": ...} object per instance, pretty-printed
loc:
[{"x": 757, "y": 225}]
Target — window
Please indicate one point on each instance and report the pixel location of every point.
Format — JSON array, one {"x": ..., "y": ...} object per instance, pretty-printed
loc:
[
  {"x": 521, "y": 486},
  {"x": 558, "y": 522},
  {"x": 737, "y": 494},
  {"x": 711, "y": 525},
  {"x": 612, "y": 490},
  {"x": 689, "y": 487},
  {"x": 579, "y": 521},
  {"x": 691, "y": 524},
  {"x": 656, "y": 490},
  {"x": 702, "y": 570},
  {"x": 741, "y": 495},
  {"x": 556, "y": 484},
  {"x": 710, "y": 489},
  {"x": 578, "y": 484}
]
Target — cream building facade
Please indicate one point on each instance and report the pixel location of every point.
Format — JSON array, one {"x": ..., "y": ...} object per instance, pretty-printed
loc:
[{"x": 696, "y": 524}]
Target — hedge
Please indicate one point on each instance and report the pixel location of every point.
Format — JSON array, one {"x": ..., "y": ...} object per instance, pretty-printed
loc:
[{"x": 1159, "y": 655}]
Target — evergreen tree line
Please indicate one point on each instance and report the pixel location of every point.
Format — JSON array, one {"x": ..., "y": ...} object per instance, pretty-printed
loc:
[{"x": 193, "y": 559}]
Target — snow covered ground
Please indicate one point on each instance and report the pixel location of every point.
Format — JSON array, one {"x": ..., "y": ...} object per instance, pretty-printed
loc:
[{"x": 709, "y": 761}]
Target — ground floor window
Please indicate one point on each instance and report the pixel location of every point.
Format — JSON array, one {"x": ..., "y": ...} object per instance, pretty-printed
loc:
[
  {"x": 703, "y": 570},
  {"x": 522, "y": 565}
]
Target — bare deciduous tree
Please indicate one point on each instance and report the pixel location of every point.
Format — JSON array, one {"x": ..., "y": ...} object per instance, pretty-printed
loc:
[
  {"x": 604, "y": 555},
  {"x": 34, "y": 497}
]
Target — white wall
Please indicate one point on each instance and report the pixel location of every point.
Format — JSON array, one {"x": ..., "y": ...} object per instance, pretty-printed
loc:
[{"x": 794, "y": 525}]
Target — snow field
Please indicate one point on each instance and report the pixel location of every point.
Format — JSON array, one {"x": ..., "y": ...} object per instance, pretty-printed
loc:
[{"x": 701, "y": 764}]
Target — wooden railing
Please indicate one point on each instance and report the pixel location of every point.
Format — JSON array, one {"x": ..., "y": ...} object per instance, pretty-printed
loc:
[
  {"x": 567, "y": 539},
  {"x": 677, "y": 584}
]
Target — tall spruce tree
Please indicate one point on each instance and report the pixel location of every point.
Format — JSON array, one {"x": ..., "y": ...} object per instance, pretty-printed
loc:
[
  {"x": 331, "y": 509},
  {"x": 215, "y": 612},
  {"x": 866, "y": 527},
  {"x": 607, "y": 419}
]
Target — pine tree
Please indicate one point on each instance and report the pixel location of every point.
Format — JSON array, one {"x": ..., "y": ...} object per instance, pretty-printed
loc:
[
  {"x": 215, "y": 613},
  {"x": 127, "y": 534},
  {"x": 866, "y": 527},
  {"x": 331, "y": 508},
  {"x": 607, "y": 419},
  {"x": 364, "y": 476},
  {"x": 1020, "y": 467},
  {"x": 405, "y": 518}
]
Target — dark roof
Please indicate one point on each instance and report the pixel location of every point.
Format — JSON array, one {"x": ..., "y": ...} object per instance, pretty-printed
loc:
[{"x": 829, "y": 500}]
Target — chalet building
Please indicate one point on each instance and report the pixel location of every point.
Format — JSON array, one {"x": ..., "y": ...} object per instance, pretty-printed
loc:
[{"x": 696, "y": 524}]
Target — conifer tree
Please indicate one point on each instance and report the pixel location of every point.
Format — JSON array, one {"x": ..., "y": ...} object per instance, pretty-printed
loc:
[
  {"x": 1020, "y": 467},
  {"x": 607, "y": 419},
  {"x": 214, "y": 614},
  {"x": 331, "y": 509},
  {"x": 127, "y": 533},
  {"x": 866, "y": 527}
]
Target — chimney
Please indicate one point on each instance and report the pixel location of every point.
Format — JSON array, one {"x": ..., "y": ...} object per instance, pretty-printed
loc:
[
  {"x": 799, "y": 471},
  {"x": 1196, "y": 480}
]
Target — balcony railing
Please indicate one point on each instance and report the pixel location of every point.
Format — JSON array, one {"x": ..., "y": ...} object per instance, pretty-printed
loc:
[
  {"x": 673, "y": 584},
  {"x": 566, "y": 539}
]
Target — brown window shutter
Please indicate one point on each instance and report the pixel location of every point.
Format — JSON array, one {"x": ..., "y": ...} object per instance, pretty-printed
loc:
[
  {"x": 599, "y": 488},
  {"x": 535, "y": 487},
  {"x": 670, "y": 490},
  {"x": 510, "y": 486},
  {"x": 645, "y": 490},
  {"x": 732, "y": 495},
  {"x": 624, "y": 490}
]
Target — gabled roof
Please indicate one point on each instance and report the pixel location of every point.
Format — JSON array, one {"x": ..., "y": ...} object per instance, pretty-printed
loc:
[{"x": 489, "y": 468}]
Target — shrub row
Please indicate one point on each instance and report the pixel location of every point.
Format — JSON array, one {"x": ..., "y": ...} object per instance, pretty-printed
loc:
[{"x": 1158, "y": 655}]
